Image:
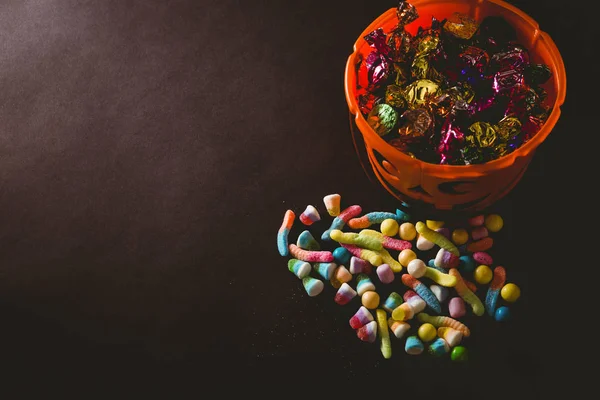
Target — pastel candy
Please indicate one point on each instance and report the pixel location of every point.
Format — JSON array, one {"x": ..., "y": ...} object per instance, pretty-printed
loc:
[
  {"x": 385, "y": 343},
  {"x": 283, "y": 233},
  {"x": 341, "y": 255},
  {"x": 310, "y": 256},
  {"x": 398, "y": 328},
  {"x": 332, "y": 204},
  {"x": 440, "y": 320},
  {"x": 416, "y": 268},
  {"x": 385, "y": 273},
  {"x": 403, "y": 312},
  {"x": 326, "y": 270},
  {"x": 358, "y": 265},
  {"x": 341, "y": 275},
  {"x": 306, "y": 241},
  {"x": 340, "y": 221},
  {"x": 480, "y": 245},
  {"x": 440, "y": 292},
  {"x": 466, "y": 264},
  {"x": 436, "y": 238},
  {"x": 446, "y": 259},
  {"x": 375, "y": 217},
  {"x": 482, "y": 257},
  {"x": 457, "y": 308},
  {"x": 312, "y": 286},
  {"x": 477, "y": 220},
  {"x": 444, "y": 232},
  {"x": 368, "y": 255},
  {"x": 344, "y": 294},
  {"x": 479, "y": 232},
  {"x": 424, "y": 244},
  {"x": 415, "y": 301},
  {"x": 491, "y": 297},
  {"x": 423, "y": 291},
  {"x": 361, "y": 318},
  {"x": 431, "y": 264},
  {"x": 309, "y": 216},
  {"x": 413, "y": 346},
  {"x": 364, "y": 284},
  {"x": 387, "y": 258},
  {"x": 299, "y": 268},
  {"x": 439, "y": 347},
  {"x": 364, "y": 241},
  {"x": 450, "y": 335},
  {"x": 368, "y": 333},
  {"x": 393, "y": 301}
]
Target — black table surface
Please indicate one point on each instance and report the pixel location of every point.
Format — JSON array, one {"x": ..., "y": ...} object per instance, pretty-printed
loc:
[{"x": 149, "y": 150}]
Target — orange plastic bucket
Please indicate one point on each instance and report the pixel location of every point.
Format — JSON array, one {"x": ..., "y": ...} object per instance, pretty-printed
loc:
[{"x": 464, "y": 188}]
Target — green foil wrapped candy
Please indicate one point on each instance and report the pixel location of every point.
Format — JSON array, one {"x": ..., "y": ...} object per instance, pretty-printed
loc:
[
  {"x": 382, "y": 119},
  {"x": 419, "y": 92}
]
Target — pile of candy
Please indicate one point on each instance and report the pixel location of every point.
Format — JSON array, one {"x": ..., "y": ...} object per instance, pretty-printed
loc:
[
  {"x": 456, "y": 93},
  {"x": 364, "y": 252}
]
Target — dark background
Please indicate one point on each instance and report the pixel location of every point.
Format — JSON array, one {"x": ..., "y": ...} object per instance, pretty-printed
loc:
[{"x": 148, "y": 152}]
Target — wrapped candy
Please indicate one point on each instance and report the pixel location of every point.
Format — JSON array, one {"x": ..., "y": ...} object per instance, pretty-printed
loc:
[
  {"x": 493, "y": 33},
  {"x": 451, "y": 142},
  {"x": 537, "y": 74},
  {"x": 472, "y": 62},
  {"x": 418, "y": 92},
  {"x": 395, "y": 97},
  {"x": 461, "y": 26},
  {"x": 515, "y": 57},
  {"x": 377, "y": 40},
  {"x": 406, "y": 13},
  {"x": 367, "y": 101},
  {"x": 382, "y": 119},
  {"x": 418, "y": 124},
  {"x": 506, "y": 80}
]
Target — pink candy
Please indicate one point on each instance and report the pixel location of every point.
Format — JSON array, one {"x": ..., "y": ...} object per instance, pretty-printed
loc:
[
  {"x": 385, "y": 273},
  {"x": 479, "y": 232},
  {"x": 361, "y": 318},
  {"x": 445, "y": 259},
  {"x": 483, "y": 258},
  {"x": 456, "y": 306},
  {"x": 477, "y": 220}
]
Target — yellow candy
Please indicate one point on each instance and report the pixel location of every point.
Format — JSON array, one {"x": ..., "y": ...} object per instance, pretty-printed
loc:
[
  {"x": 406, "y": 256},
  {"x": 510, "y": 292},
  {"x": 427, "y": 332},
  {"x": 460, "y": 236},
  {"x": 494, "y": 222},
  {"x": 433, "y": 225},
  {"x": 370, "y": 300},
  {"x": 389, "y": 227},
  {"x": 483, "y": 274},
  {"x": 408, "y": 231},
  {"x": 383, "y": 333}
]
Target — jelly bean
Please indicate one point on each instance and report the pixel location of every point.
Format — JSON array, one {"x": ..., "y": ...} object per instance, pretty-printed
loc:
[
  {"x": 418, "y": 269},
  {"x": 439, "y": 347},
  {"x": 466, "y": 264},
  {"x": 407, "y": 231},
  {"x": 436, "y": 238},
  {"x": 510, "y": 292},
  {"x": 309, "y": 216},
  {"x": 398, "y": 328},
  {"x": 456, "y": 307},
  {"x": 433, "y": 225},
  {"x": 326, "y": 270},
  {"x": 385, "y": 273},
  {"x": 310, "y": 256},
  {"x": 460, "y": 236},
  {"x": 415, "y": 301},
  {"x": 403, "y": 312},
  {"x": 445, "y": 259},
  {"x": 376, "y": 217},
  {"x": 406, "y": 256},
  {"x": 341, "y": 275},
  {"x": 483, "y": 258},
  {"x": 491, "y": 298},
  {"x": 312, "y": 286},
  {"x": 393, "y": 301},
  {"x": 367, "y": 255},
  {"x": 387, "y": 258},
  {"x": 483, "y": 274},
  {"x": 450, "y": 335},
  {"x": 344, "y": 294},
  {"x": 368, "y": 333},
  {"x": 440, "y": 292},
  {"x": 502, "y": 314},
  {"x": 361, "y": 318},
  {"x": 413, "y": 346},
  {"x": 389, "y": 227},
  {"x": 480, "y": 245},
  {"x": 479, "y": 232},
  {"x": 476, "y": 221},
  {"x": 386, "y": 241},
  {"x": 306, "y": 241},
  {"x": 332, "y": 204},
  {"x": 459, "y": 353},
  {"x": 384, "y": 334},
  {"x": 341, "y": 220},
  {"x": 370, "y": 300},
  {"x": 438, "y": 321},
  {"x": 358, "y": 265},
  {"x": 363, "y": 284},
  {"x": 466, "y": 294},
  {"x": 299, "y": 268},
  {"x": 427, "y": 332},
  {"x": 424, "y": 244},
  {"x": 494, "y": 222},
  {"x": 423, "y": 291},
  {"x": 444, "y": 232},
  {"x": 284, "y": 231},
  {"x": 341, "y": 255},
  {"x": 367, "y": 242}
]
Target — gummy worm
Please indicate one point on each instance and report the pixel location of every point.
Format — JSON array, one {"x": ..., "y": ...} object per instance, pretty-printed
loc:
[
  {"x": 439, "y": 277},
  {"x": 376, "y": 217},
  {"x": 437, "y": 238},
  {"x": 340, "y": 221},
  {"x": 386, "y": 345},
  {"x": 386, "y": 241},
  {"x": 466, "y": 293},
  {"x": 284, "y": 231},
  {"x": 431, "y": 264},
  {"x": 438, "y": 321},
  {"x": 310, "y": 256},
  {"x": 387, "y": 258},
  {"x": 494, "y": 290},
  {"x": 472, "y": 287},
  {"x": 423, "y": 292},
  {"x": 366, "y": 242},
  {"x": 367, "y": 255},
  {"x": 480, "y": 245}
]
